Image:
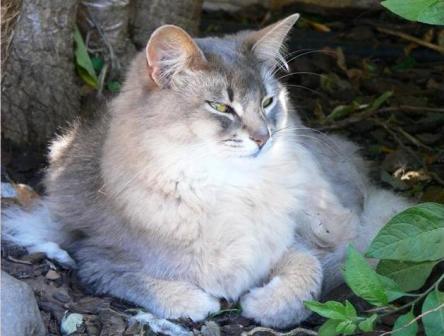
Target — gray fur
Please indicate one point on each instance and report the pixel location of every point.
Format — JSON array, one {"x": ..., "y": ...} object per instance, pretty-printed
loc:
[{"x": 170, "y": 205}]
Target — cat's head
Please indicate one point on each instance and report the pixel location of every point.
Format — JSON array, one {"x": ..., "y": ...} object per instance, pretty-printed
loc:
[{"x": 217, "y": 94}]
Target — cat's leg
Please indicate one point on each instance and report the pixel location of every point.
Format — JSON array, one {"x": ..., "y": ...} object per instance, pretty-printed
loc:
[
  {"x": 110, "y": 273},
  {"x": 164, "y": 298},
  {"x": 280, "y": 303}
]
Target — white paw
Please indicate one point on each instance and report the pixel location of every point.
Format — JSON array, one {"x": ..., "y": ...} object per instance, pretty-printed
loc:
[
  {"x": 55, "y": 252},
  {"x": 192, "y": 303},
  {"x": 274, "y": 305}
]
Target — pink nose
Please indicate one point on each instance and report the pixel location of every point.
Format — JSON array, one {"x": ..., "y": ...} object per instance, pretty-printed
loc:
[{"x": 260, "y": 136}]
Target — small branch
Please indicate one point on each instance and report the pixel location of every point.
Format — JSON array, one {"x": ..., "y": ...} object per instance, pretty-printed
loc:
[
  {"x": 294, "y": 332},
  {"x": 441, "y": 306},
  {"x": 364, "y": 115},
  {"x": 412, "y": 39},
  {"x": 411, "y": 303}
]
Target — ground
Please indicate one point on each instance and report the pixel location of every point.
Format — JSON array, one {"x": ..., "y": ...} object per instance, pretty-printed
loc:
[{"x": 349, "y": 75}]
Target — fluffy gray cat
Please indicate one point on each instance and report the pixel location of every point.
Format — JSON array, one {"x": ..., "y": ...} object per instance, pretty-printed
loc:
[{"x": 201, "y": 183}]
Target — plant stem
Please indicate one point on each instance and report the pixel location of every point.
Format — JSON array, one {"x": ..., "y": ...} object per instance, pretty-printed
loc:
[{"x": 420, "y": 296}]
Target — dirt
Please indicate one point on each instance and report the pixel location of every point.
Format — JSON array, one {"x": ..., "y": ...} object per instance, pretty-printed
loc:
[{"x": 377, "y": 89}]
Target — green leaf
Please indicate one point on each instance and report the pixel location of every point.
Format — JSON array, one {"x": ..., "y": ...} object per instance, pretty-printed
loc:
[
  {"x": 391, "y": 288},
  {"x": 363, "y": 280},
  {"x": 401, "y": 323},
  {"x": 330, "y": 309},
  {"x": 434, "y": 322},
  {"x": 408, "y": 275},
  {"x": 329, "y": 328},
  {"x": 416, "y": 234},
  {"x": 341, "y": 111},
  {"x": 426, "y": 11},
  {"x": 97, "y": 63},
  {"x": 346, "y": 327},
  {"x": 377, "y": 103},
  {"x": 407, "y": 63},
  {"x": 368, "y": 324},
  {"x": 350, "y": 310},
  {"x": 113, "y": 86},
  {"x": 83, "y": 61}
]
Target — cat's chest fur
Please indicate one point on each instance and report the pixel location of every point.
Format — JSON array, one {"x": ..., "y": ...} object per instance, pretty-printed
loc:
[{"x": 227, "y": 235}]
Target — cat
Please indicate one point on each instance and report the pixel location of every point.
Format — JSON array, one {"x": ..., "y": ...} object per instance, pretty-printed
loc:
[{"x": 200, "y": 182}]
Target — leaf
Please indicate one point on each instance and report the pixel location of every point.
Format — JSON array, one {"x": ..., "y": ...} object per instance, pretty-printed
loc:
[
  {"x": 83, "y": 61},
  {"x": 368, "y": 324},
  {"x": 350, "y": 310},
  {"x": 346, "y": 327},
  {"x": 416, "y": 234},
  {"x": 400, "y": 324},
  {"x": 426, "y": 11},
  {"x": 340, "y": 112},
  {"x": 377, "y": 103},
  {"x": 329, "y": 328},
  {"x": 434, "y": 322},
  {"x": 363, "y": 280},
  {"x": 391, "y": 288},
  {"x": 113, "y": 86},
  {"x": 401, "y": 272},
  {"x": 330, "y": 309}
]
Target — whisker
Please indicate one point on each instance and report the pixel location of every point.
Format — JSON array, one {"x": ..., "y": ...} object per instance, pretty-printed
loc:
[
  {"x": 308, "y": 89},
  {"x": 300, "y": 73}
]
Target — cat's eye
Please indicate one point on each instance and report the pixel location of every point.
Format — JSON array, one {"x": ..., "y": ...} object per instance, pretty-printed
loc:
[
  {"x": 267, "y": 102},
  {"x": 219, "y": 107}
]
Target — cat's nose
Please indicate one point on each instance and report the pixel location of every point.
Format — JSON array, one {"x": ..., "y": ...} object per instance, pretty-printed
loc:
[{"x": 260, "y": 136}]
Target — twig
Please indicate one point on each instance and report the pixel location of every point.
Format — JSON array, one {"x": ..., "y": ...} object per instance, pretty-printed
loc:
[
  {"x": 359, "y": 117},
  {"x": 413, "y": 139},
  {"x": 414, "y": 320},
  {"x": 412, "y": 39},
  {"x": 421, "y": 296},
  {"x": 294, "y": 332}
]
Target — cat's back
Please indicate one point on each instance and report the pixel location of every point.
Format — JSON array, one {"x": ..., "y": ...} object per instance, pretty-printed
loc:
[{"x": 73, "y": 178}]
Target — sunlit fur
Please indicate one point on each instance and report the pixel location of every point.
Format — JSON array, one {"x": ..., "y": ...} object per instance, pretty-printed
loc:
[{"x": 170, "y": 205}]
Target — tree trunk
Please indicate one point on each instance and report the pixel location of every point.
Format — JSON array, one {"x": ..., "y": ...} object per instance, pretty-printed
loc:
[
  {"x": 150, "y": 14},
  {"x": 39, "y": 91}
]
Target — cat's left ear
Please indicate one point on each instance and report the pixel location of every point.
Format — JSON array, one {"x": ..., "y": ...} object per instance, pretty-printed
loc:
[{"x": 268, "y": 42}]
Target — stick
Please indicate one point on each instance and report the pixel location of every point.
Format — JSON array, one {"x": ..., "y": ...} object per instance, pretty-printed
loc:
[
  {"x": 412, "y": 39},
  {"x": 294, "y": 332}
]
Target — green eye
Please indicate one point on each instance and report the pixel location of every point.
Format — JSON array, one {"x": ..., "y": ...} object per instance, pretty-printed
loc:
[
  {"x": 222, "y": 108},
  {"x": 267, "y": 102}
]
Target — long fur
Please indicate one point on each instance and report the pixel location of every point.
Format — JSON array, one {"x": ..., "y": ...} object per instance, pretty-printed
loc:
[{"x": 163, "y": 203}]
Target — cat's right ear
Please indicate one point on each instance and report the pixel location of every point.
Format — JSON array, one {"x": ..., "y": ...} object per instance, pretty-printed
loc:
[{"x": 169, "y": 51}]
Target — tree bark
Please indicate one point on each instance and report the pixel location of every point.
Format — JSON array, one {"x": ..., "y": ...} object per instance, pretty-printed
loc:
[
  {"x": 39, "y": 90},
  {"x": 150, "y": 14}
]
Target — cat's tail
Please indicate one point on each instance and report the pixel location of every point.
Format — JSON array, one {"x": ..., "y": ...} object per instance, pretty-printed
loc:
[
  {"x": 36, "y": 231},
  {"x": 379, "y": 207}
]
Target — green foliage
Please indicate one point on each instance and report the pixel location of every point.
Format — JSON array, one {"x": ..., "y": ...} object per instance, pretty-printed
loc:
[
  {"x": 401, "y": 271},
  {"x": 416, "y": 234},
  {"x": 91, "y": 69},
  {"x": 404, "y": 325},
  {"x": 363, "y": 280},
  {"x": 84, "y": 65},
  {"x": 434, "y": 321},
  {"x": 409, "y": 246},
  {"x": 342, "y": 111},
  {"x": 426, "y": 11}
]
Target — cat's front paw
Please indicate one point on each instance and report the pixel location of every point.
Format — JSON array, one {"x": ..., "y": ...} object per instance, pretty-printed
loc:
[
  {"x": 191, "y": 303},
  {"x": 274, "y": 305}
]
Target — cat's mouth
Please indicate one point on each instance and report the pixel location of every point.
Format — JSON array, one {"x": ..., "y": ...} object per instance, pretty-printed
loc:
[{"x": 252, "y": 152}]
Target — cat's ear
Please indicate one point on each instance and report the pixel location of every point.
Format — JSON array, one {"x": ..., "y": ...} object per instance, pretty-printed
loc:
[
  {"x": 169, "y": 51},
  {"x": 268, "y": 42}
]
